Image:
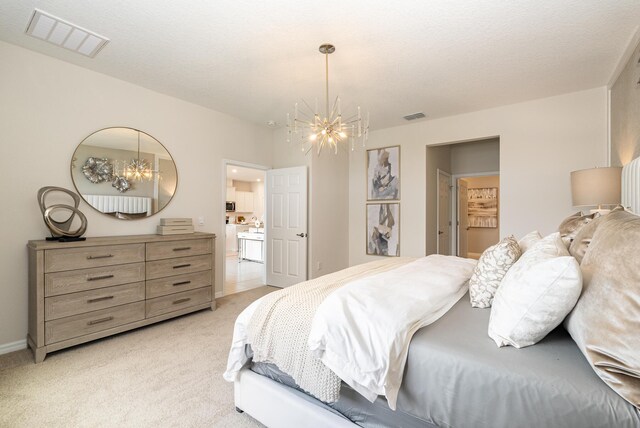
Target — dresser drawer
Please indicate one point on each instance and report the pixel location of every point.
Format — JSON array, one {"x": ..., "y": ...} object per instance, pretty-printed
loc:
[
  {"x": 89, "y": 257},
  {"x": 176, "y": 284},
  {"x": 175, "y": 302},
  {"x": 88, "y": 279},
  {"x": 87, "y": 301},
  {"x": 171, "y": 249},
  {"x": 91, "y": 322},
  {"x": 179, "y": 266}
]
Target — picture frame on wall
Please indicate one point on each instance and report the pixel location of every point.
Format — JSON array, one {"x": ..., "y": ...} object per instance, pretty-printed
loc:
[
  {"x": 483, "y": 207},
  {"x": 383, "y": 229},
  {"x": 383, "y": 173}
]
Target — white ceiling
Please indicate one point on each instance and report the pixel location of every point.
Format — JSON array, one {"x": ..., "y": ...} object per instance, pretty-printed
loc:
[
  {"x": 254, "y": 59},
  {"x": 239, "y": 173}
]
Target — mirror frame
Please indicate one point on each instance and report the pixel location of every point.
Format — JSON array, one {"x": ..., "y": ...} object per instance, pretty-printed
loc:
[{"x": 73, "y": 157}]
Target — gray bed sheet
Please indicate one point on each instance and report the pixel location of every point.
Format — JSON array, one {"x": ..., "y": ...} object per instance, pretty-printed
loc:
[{"x": 456, "y": 377}]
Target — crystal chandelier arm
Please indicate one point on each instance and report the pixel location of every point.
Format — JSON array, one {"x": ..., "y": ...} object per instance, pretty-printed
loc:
[{"x": 334, "y": 108}]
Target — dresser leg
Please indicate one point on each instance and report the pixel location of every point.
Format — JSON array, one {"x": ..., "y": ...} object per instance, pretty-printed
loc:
[
  {"x": 39, "y": 354},
  {"x": 213, "y": 305}
]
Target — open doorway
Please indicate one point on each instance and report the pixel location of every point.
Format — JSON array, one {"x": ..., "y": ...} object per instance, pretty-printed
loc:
[
  {"x": 475, "y": 212},
  {"x": 462, "y": 189},
  {"x": 244, "y": 227}
]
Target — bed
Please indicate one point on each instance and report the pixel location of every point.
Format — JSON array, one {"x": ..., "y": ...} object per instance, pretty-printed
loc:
[
  {"x": 456, "y": 380},
  {"x": 453, "y": 374}
]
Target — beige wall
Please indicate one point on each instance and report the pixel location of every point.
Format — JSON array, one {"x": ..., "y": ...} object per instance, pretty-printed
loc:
[
  {"x": 625, "y": 113},
  {"x": 475, "y": 156},
  {"x": 479, "y": 239},
  {"x": 48, "y": 106},
  {"x": 541, "y": 142}
]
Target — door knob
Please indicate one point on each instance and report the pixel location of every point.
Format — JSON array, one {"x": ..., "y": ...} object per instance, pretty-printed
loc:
[
  {"x": 302, "y": 235},
  {"x": 440, "y": 232}
]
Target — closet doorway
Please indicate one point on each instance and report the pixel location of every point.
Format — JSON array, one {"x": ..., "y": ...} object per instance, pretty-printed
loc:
[
  {"x": 462, "y": 195},
  {"x": 245, "y": 244}
]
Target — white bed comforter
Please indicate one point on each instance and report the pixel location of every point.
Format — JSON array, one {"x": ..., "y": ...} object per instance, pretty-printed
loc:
[{"x": 362, "y": 330}]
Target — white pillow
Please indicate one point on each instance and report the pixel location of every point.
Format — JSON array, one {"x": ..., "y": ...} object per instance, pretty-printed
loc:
[
  {"x": 490, "y": 270},
  {"x": 536, "y": 294},
  {"x": 529, "y": 240}
]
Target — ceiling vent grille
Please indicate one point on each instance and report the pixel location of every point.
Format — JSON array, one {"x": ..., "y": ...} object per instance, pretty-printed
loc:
[
  {"x": 414, "y": 116},
  {"x": 61, "y": 33}
]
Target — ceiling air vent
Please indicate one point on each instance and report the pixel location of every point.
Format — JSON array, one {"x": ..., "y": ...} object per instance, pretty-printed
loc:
[
  {"x": 65, "y": 34},
  {"x": 414, "y": 116}
]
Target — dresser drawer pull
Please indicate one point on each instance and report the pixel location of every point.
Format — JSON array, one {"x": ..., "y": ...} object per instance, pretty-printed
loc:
[
  {"x": 98, "y": 321},
  {"x": 182, "y": 266},
  {"x": 181, "y": 283},
  {"x": 177, "y": 302},
  {"x": 98, "y": 278},
  {"x": 182, "y": 249},
  {"x": 106, "y": 256},
  {"x": 99, "y": 299}
]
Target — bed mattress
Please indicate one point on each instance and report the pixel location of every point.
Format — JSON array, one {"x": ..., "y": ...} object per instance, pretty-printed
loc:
[{"x": 456, "y": 377}]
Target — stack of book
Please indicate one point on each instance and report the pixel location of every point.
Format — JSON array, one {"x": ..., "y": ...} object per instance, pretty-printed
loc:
[{"x": 175, "y": 226}]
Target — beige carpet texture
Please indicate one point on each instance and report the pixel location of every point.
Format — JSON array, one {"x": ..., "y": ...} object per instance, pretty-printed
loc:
[{"x": 164, "y": 375}]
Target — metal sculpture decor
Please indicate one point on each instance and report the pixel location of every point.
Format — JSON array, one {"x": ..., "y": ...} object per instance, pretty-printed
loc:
[
  {"x": 121, "y": 184},
  {"x": 98, "y": 170},
  {"x": 61, "y": 230}
]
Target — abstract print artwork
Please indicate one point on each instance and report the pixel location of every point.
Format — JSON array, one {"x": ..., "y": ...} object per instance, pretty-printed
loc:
[
  {"x": 383, "y": 229},
  {"x": 383, "y": 173},
  {"x": 483, "y": 207}
]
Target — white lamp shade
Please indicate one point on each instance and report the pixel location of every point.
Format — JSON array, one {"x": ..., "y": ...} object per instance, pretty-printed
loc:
[{"x": 596, "y": 186}]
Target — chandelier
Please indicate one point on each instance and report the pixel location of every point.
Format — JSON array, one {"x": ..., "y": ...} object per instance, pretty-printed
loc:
[
  {"x": 309, "y": 127},
  {"x": 138, "y": 169}
]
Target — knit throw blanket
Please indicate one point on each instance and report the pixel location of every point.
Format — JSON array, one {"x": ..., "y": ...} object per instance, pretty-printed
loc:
[{"x": 279, "y": 329}]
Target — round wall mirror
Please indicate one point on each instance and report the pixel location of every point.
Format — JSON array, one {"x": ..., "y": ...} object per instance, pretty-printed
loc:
[{"x": 124, "y": 173}]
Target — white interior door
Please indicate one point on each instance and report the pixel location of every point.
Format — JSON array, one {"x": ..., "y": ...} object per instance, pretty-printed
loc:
[
  {"x": 286, "y": 231},
  {"x": 444, "y": 213},
  {"x": 463, "y": 219}
]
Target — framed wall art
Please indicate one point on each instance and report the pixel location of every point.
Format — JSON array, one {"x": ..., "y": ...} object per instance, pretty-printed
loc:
[
  {"x": 483, "y": 207},
  {"x": 383, "y": 229},
  {"x": 383, "y": 173}
]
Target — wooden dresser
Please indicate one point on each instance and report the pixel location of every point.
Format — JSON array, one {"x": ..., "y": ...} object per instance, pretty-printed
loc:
[{"x": 85, "y": 290}]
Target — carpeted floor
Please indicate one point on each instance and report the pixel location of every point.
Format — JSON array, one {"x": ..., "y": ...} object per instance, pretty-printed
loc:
[{"x": 164, "y": 375}]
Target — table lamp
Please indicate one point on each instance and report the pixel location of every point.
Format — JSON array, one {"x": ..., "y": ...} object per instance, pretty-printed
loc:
[{"x": 596, "y": 187}]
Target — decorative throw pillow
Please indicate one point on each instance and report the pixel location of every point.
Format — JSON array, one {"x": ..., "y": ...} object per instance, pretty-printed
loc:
[
  {"x": 536, "y": 294},
  {"x": 605, "y": 324},
  {"x": 571, "y": 225},
  {"x": 581, "y": 241},
  {"x": 491, "y": 268},
  {"x": 529, "y": 240}
]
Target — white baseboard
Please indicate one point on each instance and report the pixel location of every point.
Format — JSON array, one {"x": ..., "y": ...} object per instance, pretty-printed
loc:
[
  {"x": 219, "y": 294},
  {"x": 13, "y": 346}
]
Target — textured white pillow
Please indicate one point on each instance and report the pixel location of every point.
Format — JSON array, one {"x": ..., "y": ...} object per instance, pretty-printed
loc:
[
  {"x": 536, "y": 294},
  {"x": 529, "y": 240},
  {"x": 491, "y": 268}
]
